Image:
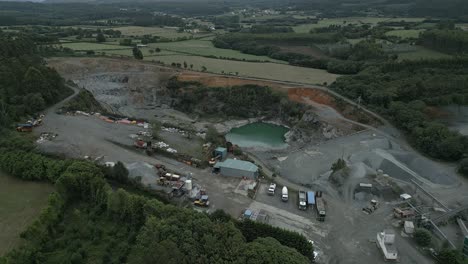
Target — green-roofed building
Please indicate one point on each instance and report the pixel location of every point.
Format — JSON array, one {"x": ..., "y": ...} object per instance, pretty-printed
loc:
[{"x": 236, "y": 168}]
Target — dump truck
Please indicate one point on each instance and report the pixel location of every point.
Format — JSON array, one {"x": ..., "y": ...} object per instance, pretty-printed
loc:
[
  {"x": 284, "y": 194},
  {"x": 302, "y": 200},
  {"x": 403, "y": 213},
  {"x": 271, "y": 189},
  {"x": 320, "y": 206}
]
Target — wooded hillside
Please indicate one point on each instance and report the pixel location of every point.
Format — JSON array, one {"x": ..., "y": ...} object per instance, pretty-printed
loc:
[{"x": 27, "y": 85}]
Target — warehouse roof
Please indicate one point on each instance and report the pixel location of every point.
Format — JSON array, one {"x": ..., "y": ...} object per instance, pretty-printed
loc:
[{"x": 237, "y": 164}]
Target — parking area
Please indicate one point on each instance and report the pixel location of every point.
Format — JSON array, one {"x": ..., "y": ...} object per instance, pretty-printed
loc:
[{"x": 275, "y": 200}]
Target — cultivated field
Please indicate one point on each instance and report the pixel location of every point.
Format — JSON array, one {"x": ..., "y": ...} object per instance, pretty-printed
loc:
[
  {"x": 21, "y": 203},
  {"x": 164, "y": 32},
  {"x": 422, "y": 53},
  {"x": 145, "y": 51},
  {"x": 272, "y": 71},
  {"x": 204, "y": 47},
  {"x": 410, "y": 33},
  {"x": 351, "y": 20}
]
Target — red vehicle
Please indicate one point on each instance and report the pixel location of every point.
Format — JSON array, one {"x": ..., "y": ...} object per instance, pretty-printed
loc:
[{"x": 24, "y": 127}]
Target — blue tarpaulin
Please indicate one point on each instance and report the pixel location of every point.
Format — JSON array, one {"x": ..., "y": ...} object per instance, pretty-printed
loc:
[{"x": 310, "y": 198}]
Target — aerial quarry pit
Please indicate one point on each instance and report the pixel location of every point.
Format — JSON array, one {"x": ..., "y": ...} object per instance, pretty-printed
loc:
[{"x": 378, "y": 165}]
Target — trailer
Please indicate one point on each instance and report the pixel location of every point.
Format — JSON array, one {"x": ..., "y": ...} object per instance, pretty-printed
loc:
[
  {"x": 320, "y": 206},
  {"x": 302, "y": 200}
]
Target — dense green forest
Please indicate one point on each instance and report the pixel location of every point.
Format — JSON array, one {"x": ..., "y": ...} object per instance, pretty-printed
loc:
[
  {"x": 238, "y": 101},
  {"x": 88, "y": 221},
  {"x": 27, "y": 85},
  {"x": 408, "y": 93},
  {"x": 70, "y": 14},
  {"x": 449, "y": 41}
]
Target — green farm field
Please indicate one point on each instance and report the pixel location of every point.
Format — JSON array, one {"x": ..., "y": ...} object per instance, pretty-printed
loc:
[
  {"x": 164, "y": 32},
  {"x": 22, "y": 202},
  {"x": 273, "y": 71},
  {"x": 92, "y": 46},
  {"x": 305, "y": 28},
  {"x": 422, "y": 53},
  {"x": 410, "y": 33},
  {"x": 204, "y": 47}
]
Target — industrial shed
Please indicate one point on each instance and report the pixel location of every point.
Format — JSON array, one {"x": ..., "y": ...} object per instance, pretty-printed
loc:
[{"x": 236, "y": 168}]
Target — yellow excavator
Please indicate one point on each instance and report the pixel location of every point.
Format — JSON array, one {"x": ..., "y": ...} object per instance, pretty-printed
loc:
[{"x": 202, "y": 202}]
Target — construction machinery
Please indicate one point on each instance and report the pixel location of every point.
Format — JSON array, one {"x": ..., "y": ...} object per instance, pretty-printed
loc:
[
  {"x": 202, "y": 201},
  {"x": 302, "y": 200},
  {"x": 372, "y": 207}
]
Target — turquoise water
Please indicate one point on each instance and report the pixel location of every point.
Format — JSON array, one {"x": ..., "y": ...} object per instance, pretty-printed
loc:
[{"x": 258, "y": 135}]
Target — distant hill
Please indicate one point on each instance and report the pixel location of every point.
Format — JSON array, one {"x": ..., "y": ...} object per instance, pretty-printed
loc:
[{"x": 33, "y": 1}]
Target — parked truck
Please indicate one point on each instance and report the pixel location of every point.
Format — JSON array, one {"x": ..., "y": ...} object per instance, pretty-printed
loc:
[
  {"x": 284, "y": 194},
  {"x": 386, "y": 243},
  {"x": 320, "y": 205},
  {"x": 302, "y": 200}
]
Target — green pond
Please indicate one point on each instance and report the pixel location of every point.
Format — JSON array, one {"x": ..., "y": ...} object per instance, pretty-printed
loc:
[{"x": 258, "y": 135}]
